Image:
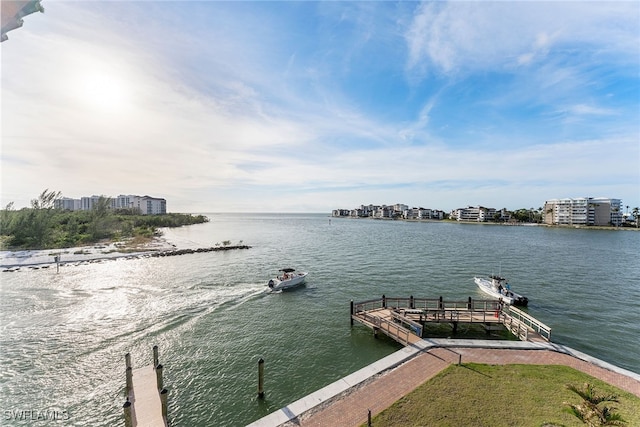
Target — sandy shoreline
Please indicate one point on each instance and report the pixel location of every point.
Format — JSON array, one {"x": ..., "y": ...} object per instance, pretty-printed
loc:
[{"x": 15, "y": 260}]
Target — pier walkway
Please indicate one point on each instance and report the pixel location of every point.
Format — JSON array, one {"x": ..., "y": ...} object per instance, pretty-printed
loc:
[
  {"x": 146, "y": 404},
  {"x": 347, "y": 401},
  {"x": 406, "y": 319}
]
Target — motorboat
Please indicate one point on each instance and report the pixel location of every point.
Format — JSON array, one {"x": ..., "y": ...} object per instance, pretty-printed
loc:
[
  {"x": 288, "y": 279},
  {"x": 498, "y": 288}
]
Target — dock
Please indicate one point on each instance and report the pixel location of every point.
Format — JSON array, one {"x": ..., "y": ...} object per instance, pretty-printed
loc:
[
  {"x": 146, "y": 404},
  {"x": 405, "y": 319}
]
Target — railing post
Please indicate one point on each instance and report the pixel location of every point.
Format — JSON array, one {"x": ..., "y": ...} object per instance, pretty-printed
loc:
[
  {"x": 469, "y": 304},
  {"x": 440, "y": 305},
  {"x": 411, "y": 302},
  {"x": 384, "y": 301}
]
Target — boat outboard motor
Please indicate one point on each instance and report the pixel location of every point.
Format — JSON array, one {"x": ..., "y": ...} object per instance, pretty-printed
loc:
[{"x": 271, "y": 283}]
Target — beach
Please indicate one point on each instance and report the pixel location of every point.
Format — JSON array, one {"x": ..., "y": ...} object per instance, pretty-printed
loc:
[{"x": 33, "y": 259}]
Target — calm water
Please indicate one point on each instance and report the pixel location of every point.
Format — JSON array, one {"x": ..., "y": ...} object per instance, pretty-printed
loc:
[{"x": 64, "y": 336}]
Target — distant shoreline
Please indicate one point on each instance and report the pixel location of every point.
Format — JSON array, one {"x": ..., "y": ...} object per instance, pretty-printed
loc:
[
  {"x": 11, "y": 261},
  {"x": 510, "y": 224}
]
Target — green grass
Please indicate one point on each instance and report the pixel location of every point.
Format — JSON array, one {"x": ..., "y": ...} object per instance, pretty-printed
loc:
[{"x": 500, "y": 395}]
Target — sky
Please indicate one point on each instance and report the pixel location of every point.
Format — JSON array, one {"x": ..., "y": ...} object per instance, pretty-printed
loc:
[{"x": 301, "y": 106}]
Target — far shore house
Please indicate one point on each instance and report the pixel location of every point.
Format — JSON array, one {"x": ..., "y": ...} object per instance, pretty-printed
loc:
[
  {"x": 146, "y": 205},
  {"x": 583, "y": 211}
]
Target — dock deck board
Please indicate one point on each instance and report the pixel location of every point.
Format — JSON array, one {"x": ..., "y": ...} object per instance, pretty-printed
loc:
[{"x": 145, "y": 397}]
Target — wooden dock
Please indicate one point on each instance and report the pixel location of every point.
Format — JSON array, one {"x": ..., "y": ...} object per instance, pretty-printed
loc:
[
  {"x": 146, "y": 404},
  {"x": 405, "y": 319}
]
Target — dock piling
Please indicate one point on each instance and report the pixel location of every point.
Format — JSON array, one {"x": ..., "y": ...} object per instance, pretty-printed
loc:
[
  {"x": 129, "y": 373},
  {"x": 261, "y": 378},
  {"x": 164, "y": 394},
  {"x": 159, "y": 376},
  {"x": 351, "y": 313},
  {"x": 369, "y": 418},
  {"x": 129, "y": 386},
  {"x": 128, "y": 422},
  {"x": 155, "y": 355}
]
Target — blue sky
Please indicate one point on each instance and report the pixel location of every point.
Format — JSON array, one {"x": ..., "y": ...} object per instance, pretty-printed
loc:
[{"x": 311, "y": 106}]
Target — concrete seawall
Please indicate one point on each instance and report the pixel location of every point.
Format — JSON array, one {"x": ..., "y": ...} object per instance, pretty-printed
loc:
[{"x": 345, "y": 402}]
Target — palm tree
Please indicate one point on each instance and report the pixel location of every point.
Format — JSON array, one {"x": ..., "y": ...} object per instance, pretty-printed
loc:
[{"x": 591, "y": 411}]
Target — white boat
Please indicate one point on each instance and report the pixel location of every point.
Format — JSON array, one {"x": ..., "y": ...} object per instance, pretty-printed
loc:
[
  {"x": 498, "y": 288},
  {"x": 288, "y": 279}
]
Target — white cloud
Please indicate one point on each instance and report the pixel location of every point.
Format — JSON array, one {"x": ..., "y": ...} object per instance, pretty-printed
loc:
[
  {"x": 458, "y": 37},
  {"x": 219, "y": 123}
]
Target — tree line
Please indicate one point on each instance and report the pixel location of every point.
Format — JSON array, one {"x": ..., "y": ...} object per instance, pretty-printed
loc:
[{"x": 43, "y": 227}]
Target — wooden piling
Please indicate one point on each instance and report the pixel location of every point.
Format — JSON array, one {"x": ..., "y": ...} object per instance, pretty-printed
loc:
[
  {"x": 129, "y": 373},
  {"x": 261, "y": 378},
  {"x": 159, "y": 376},
  {"x": 128, "y": 421},
  {"x": 129, "y": 380},
  {"x": 155, "y": 356},
  {"x": 351, "y": 317},
  {"x": 164, "y": 394}
]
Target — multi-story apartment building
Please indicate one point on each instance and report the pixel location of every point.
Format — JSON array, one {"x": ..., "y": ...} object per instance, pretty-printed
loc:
[
  {"x": 146, "y": 205},
  {"x": 151, "y": 205},
  {"x": 474, "y": 213},
  {"x": 66, "y": 203},
  {"x": 583, "y": 211},
  {"x": 422, "y": 213}
]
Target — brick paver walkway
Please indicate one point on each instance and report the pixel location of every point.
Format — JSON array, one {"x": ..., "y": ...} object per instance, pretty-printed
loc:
[{"x": 382, "y": 391}]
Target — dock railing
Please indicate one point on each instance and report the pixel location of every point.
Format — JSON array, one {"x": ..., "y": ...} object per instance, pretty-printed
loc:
[
  {"x": 520, "y": 322},
  {"x": 408, "y": 314}
]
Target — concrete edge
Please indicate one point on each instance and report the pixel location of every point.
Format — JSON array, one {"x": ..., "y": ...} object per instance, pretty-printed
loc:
[{"x": 325, "y": 394}]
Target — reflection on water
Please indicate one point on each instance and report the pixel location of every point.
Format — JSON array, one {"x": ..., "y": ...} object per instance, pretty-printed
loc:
[{"x": 64, "y": 336}]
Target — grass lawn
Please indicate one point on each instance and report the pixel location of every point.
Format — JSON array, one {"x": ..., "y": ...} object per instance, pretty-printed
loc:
[{"x": 501, "y": 395}]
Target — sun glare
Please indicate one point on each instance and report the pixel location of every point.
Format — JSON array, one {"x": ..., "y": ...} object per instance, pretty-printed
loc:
[{"x": 103, "y": 91}]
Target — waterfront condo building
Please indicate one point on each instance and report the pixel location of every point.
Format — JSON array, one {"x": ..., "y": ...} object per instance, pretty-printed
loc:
[
  {"x": 146, "y": 205},
  {"x": 583, "y": 211}
]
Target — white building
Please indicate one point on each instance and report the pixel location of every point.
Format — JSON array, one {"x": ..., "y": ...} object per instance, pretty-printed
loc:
[
  {"x": 583, "y": 211},
  {"x": 474, "y": 213},
  {"x": 151, "y": 205},
  {"x": 146, "y": 205},
  {"x": 67, "y": 203}
]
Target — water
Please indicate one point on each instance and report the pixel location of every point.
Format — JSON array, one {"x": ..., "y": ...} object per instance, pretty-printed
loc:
[{"x": 64, "y": 336}]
